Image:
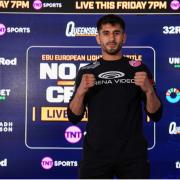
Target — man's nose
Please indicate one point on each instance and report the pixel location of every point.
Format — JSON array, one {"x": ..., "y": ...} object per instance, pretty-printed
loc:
[{"x": 111, "y": 37}]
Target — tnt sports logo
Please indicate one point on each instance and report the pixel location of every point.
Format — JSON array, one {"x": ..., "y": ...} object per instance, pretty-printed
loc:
[
  {"x": 175, "y": 5},
  {"x": 111, "y": 75},
  {"x": 47, "y": 163},
  {"x": 2, "y": 29},
  {"x": 37, "y": 4},
  {"x": 173, "y": 95},
  {"x": 73, "y": 134}
]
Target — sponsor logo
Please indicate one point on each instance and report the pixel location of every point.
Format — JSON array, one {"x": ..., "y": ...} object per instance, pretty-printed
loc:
[
  {"x": 4, "y": 93},
  {"x": 177, "y": 164},
  {"x": 38, "y": 5},
  {"x": 111, "y": 75},
  {"x": 48, "y": 163},
  {"x": 171, "y": 30},
  {"x": 8, "y": 62},
  {"x": 3, "y": 163},
  {"x": 175, "y": 61},
  {"x": 73, "y": 31},
  {"x": 2, "y": 29},
  {"x": 16, "y": 30},
  {"x": 6, "y": 127},
  {"x": 173, "y": 95},
  {"x": 66, "y": 163},
  {"x": 175, "y": 5},
  {"x": 135, "y": 63},
  {"x": 73, "y": 134},
  {"x": 173, "y": 128}
]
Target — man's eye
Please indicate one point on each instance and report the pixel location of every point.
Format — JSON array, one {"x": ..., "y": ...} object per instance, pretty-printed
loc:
[
  {"x": 105, "y": 33},
  {"x": 117, "y": 33}
]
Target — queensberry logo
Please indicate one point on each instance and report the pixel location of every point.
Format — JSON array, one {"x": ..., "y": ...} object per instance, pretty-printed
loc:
[
  {"x": 173, "y": 95},
  {"x": 174, "y": 129},
  {"x": 73, "y": 31}
]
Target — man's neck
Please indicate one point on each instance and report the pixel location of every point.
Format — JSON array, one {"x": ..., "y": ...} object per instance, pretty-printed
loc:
[{"x": 109, "y": 57}]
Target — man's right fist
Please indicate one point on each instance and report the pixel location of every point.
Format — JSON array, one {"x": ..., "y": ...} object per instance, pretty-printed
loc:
[{"x": 87, "y": 81}]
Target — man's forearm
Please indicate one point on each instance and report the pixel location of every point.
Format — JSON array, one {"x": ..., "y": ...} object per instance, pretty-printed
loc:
[
  {"x": 153, "y": 103},
  {"x": 77, "y": 105}
]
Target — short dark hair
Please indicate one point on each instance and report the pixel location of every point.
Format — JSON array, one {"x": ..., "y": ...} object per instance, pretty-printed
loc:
[{"x": 110, "y": 19}]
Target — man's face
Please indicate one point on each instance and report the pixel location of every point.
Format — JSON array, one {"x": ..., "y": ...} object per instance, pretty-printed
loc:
[{"x": 111, "y": 38}]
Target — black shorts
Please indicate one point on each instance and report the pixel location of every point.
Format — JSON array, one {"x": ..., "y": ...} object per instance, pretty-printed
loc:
[{"x": 129, "y": 169}]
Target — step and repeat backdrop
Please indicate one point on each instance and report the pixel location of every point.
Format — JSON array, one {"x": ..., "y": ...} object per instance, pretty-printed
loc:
[{"x": 43, "y": 44}]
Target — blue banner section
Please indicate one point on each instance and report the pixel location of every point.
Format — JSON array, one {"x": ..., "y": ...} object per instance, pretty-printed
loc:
[{"x": 40, "y": 55}]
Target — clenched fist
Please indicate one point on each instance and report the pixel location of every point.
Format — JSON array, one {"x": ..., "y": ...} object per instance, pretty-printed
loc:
[
  {"x": 141, "y": 79},
  {"x": 87, "y": 81}
]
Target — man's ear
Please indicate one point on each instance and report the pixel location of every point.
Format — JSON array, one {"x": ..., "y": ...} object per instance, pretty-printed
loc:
[
  {"x": 124, "y": 38},
  {"x": 97, "y": 39}
]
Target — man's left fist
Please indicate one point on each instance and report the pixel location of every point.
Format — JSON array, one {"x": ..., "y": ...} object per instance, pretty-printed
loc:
[{"x": 141, "y": 79}]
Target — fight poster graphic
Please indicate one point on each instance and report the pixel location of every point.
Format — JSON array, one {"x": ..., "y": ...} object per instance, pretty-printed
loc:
[{"x": 50, "y": 79}]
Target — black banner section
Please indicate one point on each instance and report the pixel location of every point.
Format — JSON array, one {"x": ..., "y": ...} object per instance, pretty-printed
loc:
[{"x": 89, "y": 6}]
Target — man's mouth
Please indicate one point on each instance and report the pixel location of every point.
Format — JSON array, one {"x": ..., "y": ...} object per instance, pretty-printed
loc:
[{"x": 111, "y": 44}]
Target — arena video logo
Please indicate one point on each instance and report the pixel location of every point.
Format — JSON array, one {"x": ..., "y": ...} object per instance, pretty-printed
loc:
[
  {"x": 175, "y": 5},
  {"x": 173, "y": 95},
  {"x": 15, "y": 30},
  {"x": 174, "y": 129},
  {"x": 111, "y": 75},
  {"x": 175, "y": 61},
  {"x": 73, "y": 31}
]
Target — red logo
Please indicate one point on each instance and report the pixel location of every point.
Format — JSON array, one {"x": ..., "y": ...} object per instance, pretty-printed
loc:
[{"x": 135, "y": 63}]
